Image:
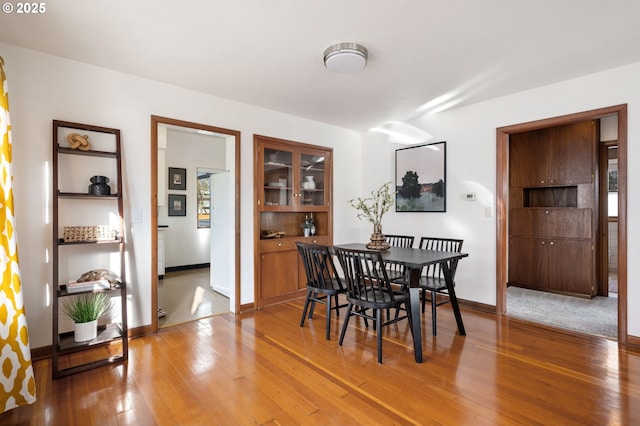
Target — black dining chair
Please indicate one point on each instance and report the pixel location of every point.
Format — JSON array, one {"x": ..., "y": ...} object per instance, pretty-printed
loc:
[
  {"x": 368, "y": 287},
  {"x": 432, "y": 280},
  {"x": 323, "y": 283},
  {"x": 396, "y": 272}
]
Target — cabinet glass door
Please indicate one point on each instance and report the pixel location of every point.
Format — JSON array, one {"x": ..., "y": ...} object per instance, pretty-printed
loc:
[
  {"x": 313, "y": 174},
  {"x": 278, "y": 177}
]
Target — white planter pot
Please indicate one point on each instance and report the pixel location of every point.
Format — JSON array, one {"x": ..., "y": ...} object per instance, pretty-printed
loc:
[{"x": 84, "y": 331}]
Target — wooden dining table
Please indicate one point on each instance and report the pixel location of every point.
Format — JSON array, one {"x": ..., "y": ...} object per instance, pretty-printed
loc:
[{"x": 414, "y": 259}]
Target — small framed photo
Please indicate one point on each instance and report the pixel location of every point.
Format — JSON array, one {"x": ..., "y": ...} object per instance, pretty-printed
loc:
[
  {"x": 177, "y": 178},
  {"x": 177, "y": 205}
]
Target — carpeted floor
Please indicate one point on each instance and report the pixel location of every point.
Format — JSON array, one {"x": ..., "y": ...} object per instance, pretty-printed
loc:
[{"x": 597, "y": 316}]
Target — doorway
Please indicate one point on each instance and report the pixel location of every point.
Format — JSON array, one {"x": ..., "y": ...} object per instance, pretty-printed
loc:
[
  {"x": 502, "y": 200},
  {"x": 228, "y": 175}
]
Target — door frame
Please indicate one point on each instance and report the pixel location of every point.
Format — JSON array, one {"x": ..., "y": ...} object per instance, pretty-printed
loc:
[
  {"x": 502, "y": 202},
  {"x": 153, "y": 190}
]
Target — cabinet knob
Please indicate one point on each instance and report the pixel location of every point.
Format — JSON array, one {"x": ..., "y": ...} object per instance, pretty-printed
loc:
[
  {"x": 279, "y": 244},
  {"x": 542, "y": 181},
  {"x": 542, "y": 242},
  {"x": 315, "y": 241},
  {"x": 546, "y": 212},
  {"x": 551, "y": 243}
]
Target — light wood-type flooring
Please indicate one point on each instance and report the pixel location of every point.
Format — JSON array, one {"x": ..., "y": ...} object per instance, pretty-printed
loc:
[{"x": 262, "y": 368}]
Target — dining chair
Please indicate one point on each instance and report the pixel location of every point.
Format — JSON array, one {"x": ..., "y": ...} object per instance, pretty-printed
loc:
[
  {"x": 432, "y": 279},
  {"x": 323, "y": 283},
  {"x": 368, "y": 287},
  {"x": 395, "y": 271}
]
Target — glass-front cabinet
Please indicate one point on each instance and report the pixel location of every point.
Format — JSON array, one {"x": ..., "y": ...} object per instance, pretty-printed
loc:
[
  {"x": 293, "y": 178},
  {"x": 293, "y": 190}
]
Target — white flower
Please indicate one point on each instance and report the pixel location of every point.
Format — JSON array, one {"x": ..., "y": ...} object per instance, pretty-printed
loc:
[{"x": 372, "y": 208}]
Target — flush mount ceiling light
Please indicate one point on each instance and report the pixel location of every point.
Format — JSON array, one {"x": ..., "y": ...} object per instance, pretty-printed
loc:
[{"x": 345, "y": 57}]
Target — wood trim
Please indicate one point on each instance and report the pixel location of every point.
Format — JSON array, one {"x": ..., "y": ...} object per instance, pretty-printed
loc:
[
  {"x": 502, "y": 206},
  {"x": 155, "y": 120},
  {"x": 633, "y": 342},
  {"x": 502, "y": 201},
  {"x": 622, "y": 225},
  {"x": 477, "y": 306},
  {"x": 604, "y": 219}
]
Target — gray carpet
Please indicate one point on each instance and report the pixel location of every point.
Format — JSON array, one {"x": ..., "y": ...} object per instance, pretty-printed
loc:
[{"x": 597, "y": 316}]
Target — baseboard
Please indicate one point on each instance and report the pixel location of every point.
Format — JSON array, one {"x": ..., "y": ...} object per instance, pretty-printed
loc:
[
  {"x": 186, "y": 267},
  {"x": 248, "y": 307},
  {"x": 633, "y": 343},
  {"x": 477, "y": 306}
]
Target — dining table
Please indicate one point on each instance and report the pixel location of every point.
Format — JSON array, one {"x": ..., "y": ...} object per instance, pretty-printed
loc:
[{"x": 414, "y": 260}]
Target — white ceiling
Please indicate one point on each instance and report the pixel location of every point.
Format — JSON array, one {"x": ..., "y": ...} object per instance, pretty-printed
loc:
[{"x": 269, "y": 53}]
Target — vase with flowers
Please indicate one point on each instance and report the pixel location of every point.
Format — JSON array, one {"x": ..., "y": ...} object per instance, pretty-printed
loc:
[{"x": 372, "y": 208}]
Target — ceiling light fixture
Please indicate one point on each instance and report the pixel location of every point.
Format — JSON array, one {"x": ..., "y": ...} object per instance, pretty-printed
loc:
[{"x": 345, "y": 57}]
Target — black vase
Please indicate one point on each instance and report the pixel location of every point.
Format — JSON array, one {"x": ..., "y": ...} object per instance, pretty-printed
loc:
[{"x": 99, "y": 186}]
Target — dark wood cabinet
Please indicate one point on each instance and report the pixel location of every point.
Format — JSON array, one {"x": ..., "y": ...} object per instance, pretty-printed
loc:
[
  {"x": 293, "y": 181},
  {"x": 558, "y": 265},
  {"x": 562, "y": 155},
  {"x": 552, "y": 226}
]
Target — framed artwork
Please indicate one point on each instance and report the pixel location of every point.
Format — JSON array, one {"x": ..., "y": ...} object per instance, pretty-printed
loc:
[
  {"x": 421, "y": 178},
  {"x": 177, "y": 178},
  {"x": 177, "y": 205}
]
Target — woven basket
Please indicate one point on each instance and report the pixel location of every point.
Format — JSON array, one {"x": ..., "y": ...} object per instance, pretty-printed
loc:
[{"x": 88, "y": 233}]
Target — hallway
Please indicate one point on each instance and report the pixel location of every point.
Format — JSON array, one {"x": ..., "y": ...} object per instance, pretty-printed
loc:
[{"x": 186, "y": 296}]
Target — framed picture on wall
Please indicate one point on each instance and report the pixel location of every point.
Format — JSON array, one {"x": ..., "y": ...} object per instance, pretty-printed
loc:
[
  {"x": 421, "y": 178},
  {"x": 177, "y": 178},
  {"x": 177, "y": 205}
]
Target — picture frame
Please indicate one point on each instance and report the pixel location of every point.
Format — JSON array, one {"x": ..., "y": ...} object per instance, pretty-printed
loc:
[
  {"x": 421, "y": 184},
  {"x": 177, "y": 205},
  {"x": 177, "y": 178}
]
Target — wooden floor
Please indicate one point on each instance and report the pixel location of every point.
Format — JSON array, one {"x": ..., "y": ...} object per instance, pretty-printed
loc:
[{"x": 262, "y": 368}]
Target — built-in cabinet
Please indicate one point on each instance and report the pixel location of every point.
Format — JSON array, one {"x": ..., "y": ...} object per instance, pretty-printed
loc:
[
  {"x": 88, "y": 235},
  {"x": 552, "y": 225},
  {"x": 293, "y": 183}
]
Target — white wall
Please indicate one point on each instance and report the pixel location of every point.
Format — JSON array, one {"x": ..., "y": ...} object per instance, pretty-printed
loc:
[
  {"x": 470, "y": 133},
  {"x": 185, "y": 244},
  {"x": 43, "y": 88}
]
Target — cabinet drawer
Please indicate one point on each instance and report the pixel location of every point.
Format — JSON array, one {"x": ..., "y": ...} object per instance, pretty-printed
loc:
[
  {"x": 285, "y": 244},
  {"x": 551, "y": 222},
  {"x": 279, "y": 244},
  {"x": 317, "y": 239}
]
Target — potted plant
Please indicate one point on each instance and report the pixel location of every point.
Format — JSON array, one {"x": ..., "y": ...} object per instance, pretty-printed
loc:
[
  {"x": 372, "y": 208},
  {"x": 84, "y": 311}
]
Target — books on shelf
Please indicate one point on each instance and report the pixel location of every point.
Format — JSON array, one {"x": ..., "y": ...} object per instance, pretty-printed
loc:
[{"x": 96, "y": 285}]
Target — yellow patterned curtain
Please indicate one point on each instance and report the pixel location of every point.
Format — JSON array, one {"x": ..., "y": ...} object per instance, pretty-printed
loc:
[{"x": 17, "y": 385}]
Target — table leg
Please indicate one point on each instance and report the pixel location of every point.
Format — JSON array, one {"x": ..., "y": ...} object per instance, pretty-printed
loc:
[
  {"x": 448, "y": 276},
  {"x": 414, "y": 302},
  {"x": 414, "y": 311}
]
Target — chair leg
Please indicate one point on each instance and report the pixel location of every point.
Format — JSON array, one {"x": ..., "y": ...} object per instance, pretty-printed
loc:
[
  {"x": 408, "y": 308},
  {"x": 434, "y": 305},
  {"x": 306, "y": 307},
  {"x": 337, "y": 304},
  {"x": 345, "y": 324},
  {"x": 328, "y": 328},
  {"x": 313, "y": 304},
  {"x": 379, "y": 333},
  {"x": 424, "y": 298}
]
